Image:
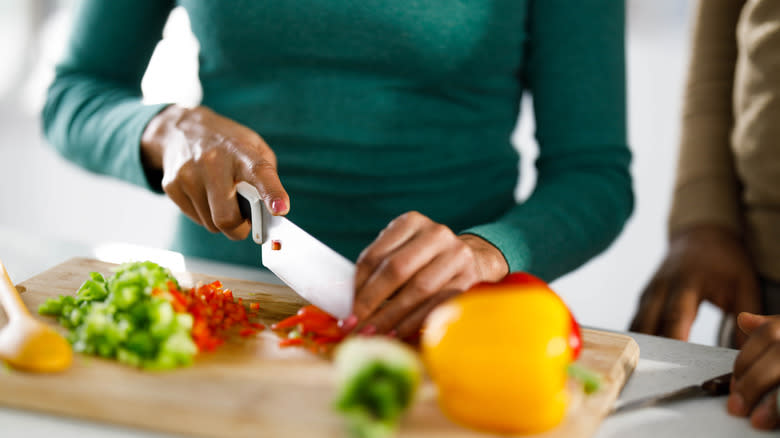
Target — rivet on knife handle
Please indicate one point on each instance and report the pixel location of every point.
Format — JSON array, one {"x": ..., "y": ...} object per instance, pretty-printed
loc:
[{"x": 251, "y": 206}]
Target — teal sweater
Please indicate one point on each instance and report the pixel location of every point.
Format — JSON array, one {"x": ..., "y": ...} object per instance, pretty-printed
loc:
[{"x": 378, "y": 107}]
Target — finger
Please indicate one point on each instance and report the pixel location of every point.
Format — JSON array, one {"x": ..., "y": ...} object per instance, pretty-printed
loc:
[
  {"x": 398, "y": 268},
  {"x": 411, "y": 325},
  {"x": 679, "y": 312},
  {"x": 760, "y": 378},
  {"x": 183, "y": 202},
  {"x": 748, "y": 299},
  {"x": 765, "y": 415},
  {"x": 221, "y": 195},
  {"x": 748, "y": 322},
  {"x": 651, "y": 304},
  {"x": 397, "y": 232},
  {"x": 760, "y": 340},
  {"x": 200, "y": 201},
  {"x": 423, "y": 285},
  {"x": 262, "y": 174}
]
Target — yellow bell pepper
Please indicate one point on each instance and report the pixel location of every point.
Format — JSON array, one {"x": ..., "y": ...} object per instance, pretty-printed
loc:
[{"x": 498, "y": 354}]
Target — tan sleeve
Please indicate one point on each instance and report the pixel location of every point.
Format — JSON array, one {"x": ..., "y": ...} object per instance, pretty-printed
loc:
[{"x": 707, "y": 188}]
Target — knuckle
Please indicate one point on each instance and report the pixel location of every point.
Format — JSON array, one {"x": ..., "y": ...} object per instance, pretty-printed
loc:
[
  {"x": 394, "y": 268},
  {"x": 411, "y": 217},
  {"x": 465, "y": 253},
  {"x": 212, "y": 157},
  {"x": 406, "y": 301},
  {"x": 186, "y": 179},
  {"x": 367, "y": 259},
  {"x": 262, "y": 167},
  {"x": 227, "y": 221},
  {"x": 421, "y": 288},
  {"x": 440, "y": 231},
  {"x": 186, "y": 172}
]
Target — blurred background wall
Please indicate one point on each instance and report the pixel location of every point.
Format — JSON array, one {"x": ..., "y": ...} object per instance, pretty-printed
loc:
[{"x": 46, "y": 196}]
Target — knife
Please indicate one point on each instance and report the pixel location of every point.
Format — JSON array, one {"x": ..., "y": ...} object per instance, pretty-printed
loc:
[
  {"x": 709, "y": 388},
  {"x": 314, "y": 271}
]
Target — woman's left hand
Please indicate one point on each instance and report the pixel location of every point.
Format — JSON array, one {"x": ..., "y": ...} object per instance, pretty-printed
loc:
[
  {"x": 412, "y": 266},
  {"x": 754, "y": 387}
]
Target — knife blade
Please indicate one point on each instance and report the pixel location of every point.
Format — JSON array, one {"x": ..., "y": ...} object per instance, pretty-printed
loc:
[
  {"x": 714, "y": 387},
  {"x": 313, "y": 270}
]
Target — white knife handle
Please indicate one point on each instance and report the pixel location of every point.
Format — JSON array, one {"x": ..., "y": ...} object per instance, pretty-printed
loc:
[{"x": 252, "y": 207}]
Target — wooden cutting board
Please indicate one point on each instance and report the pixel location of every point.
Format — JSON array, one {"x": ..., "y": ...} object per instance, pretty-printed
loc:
[{"x": 252, "y": 388}]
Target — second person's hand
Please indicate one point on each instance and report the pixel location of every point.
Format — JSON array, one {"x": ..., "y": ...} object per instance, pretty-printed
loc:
[
  {"x": 705, "y": 262},
  {"x": 754, "y": 387},
  {"x": 202, "y": 156},
  {"x": 412, "y": 266}
]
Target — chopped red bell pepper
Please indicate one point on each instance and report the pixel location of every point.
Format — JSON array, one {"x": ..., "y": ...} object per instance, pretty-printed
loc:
[
  {"x": 287, "y": 323},
  {"x": 575, "y": 337},
  {"x": 312, "y": 324},
  {"x": 290, "y": 342},
  {"x": 214, "y": 311}
]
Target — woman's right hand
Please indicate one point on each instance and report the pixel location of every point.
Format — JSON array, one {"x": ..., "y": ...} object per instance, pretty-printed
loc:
[{"x": 202, "y": 156}]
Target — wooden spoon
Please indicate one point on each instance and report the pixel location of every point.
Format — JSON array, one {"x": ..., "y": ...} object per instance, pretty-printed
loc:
[{"x": 25, "y": 342}]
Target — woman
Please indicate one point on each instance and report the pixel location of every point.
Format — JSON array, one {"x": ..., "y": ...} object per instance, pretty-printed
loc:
[{"x": 360, "y": 117}]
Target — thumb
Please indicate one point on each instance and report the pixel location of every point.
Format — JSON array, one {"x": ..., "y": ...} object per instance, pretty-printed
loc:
[
  {"x": 747, "y": 301},
  {"x": 750, "y": 321},
  {"x": 264, "y": 177}
]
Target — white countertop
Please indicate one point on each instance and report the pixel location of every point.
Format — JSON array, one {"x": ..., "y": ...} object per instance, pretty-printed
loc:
[{"x": 664, "y": 364}]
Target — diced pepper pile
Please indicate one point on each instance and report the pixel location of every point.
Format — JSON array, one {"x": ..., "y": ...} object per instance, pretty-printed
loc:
[
  {"x": 214, "y": 311},
  {"x": 141, "y": 317},
  {"x": 310, "y": 327}
]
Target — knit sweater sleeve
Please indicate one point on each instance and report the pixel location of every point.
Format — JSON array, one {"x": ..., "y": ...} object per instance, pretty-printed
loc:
[
  {"x": 94, "y": 114},
  {"x": 583, "y": 196},
  {"x": 707, "y": 189}
]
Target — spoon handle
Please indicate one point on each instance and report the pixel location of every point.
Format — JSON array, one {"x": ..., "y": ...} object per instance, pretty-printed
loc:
[{"x": 9, "y": 297}]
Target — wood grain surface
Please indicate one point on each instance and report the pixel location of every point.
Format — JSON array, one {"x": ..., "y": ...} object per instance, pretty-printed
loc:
[{"x": 250, "y": 387}]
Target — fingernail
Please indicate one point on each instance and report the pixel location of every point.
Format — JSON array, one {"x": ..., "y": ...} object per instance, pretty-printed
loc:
[
  {"x": 368, "y": 330},
  {"x": 348, "y": 323},
  {"x": 392, "y": 333},
  {"x": 278, "y": 206},
  {"x": 736, "y": 404}
]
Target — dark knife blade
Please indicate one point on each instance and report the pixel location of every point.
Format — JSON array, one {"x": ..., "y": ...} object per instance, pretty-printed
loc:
[{"x": 714, "y": 387}]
